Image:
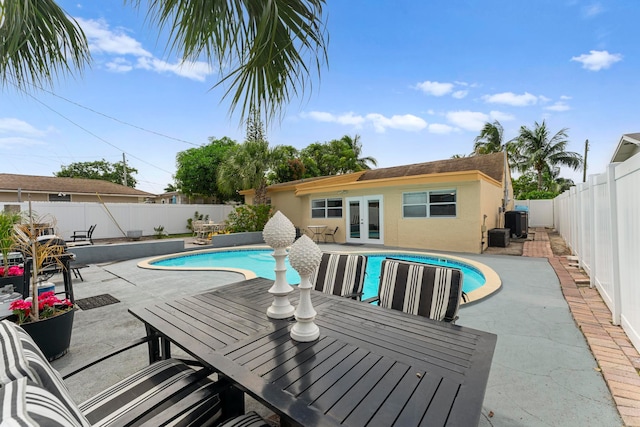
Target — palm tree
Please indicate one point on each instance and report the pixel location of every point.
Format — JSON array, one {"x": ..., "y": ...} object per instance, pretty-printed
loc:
[
  {"x": 38, "y": 41},
  {"x": 537, "y": 151},
  {"x": 267, "y": 51},
  {"x": 355, "y": 144},
  {"x": 490, "y": 139},
  {"x": 245, "y": 168}
]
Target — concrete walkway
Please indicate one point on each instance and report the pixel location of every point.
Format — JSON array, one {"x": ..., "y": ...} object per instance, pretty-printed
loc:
[
  {"x": 617, "y": 359},
  {"x": 543, "y": 372}
]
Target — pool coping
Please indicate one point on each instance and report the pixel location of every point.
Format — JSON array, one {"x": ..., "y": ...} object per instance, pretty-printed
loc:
[{"x": 493, "y": 283}]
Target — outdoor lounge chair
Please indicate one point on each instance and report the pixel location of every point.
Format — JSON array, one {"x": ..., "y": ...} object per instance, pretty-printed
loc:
[
  {"x": 341, "y": 274},
  {"x": 83, "y": 236},
  {"x": 331, "y": 233},
  {"x": 425, "y": 290},
  {"x": 168, "y": 392}
]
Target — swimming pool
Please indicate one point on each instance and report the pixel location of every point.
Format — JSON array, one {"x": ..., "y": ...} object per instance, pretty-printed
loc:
[{"x": 479, "y": 280}]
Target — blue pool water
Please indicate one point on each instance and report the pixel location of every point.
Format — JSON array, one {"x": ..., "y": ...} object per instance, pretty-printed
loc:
[{"x": 262, "y": 263}]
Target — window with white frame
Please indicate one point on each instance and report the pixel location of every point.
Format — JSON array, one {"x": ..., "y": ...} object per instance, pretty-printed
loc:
[
  {"x": 326, "y": 208},
  {"x": 429, "y": 204}
]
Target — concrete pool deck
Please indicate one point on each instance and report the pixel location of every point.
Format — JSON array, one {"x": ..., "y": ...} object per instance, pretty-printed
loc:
[{"x": 543, "y": 372}]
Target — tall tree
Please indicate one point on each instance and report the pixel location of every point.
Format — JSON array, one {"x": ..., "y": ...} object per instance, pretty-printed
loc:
[
  {"x": 100, "y": 169},
  {"x": 197, "y": 169},
  {"x": 267, "y": 51},
  {"x": 490, "y": 139},
  {"x": 537, "y": 150},
  {"x": 355, "y": 144},
  {"x": 247, "y": 164}
]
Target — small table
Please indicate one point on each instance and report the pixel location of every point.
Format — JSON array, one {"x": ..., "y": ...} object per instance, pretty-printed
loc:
[
  {"x": 369, "y": 363},
  {"x": 317, "y": 231}
]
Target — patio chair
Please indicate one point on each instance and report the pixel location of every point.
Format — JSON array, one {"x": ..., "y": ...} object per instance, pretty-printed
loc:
[
  {"x": 167, "y": 392},
  {"x": 425, "y": 290},
  {"x": 331, "y": 233},
  {"x": 84, "y": 235},
  {"x": 341, "y": 274}
]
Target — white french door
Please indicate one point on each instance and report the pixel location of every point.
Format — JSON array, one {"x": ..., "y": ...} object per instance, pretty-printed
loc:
[{"x": 364, "y": 220}]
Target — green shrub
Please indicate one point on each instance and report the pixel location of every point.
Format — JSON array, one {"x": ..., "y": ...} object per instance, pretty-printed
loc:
[{"x": 248, "y": 218}]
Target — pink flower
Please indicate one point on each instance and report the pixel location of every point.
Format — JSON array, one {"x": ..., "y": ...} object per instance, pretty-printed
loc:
[
  {"x": 14, "y": 270},
  {"x": 48, "y": 305}
]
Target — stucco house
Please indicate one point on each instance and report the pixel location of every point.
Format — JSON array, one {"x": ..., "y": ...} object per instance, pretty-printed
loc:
[
  {"x": 443, "y": 205},
  {"x": 628, "y": 147},
  {"x": 14, "y": 188}
]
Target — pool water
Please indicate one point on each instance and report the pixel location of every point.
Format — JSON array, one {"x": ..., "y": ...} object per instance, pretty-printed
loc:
[{"x": 262, "y": 263}]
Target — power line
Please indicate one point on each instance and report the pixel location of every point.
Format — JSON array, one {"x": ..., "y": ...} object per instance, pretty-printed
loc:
[{"x": 116, "y": 119}]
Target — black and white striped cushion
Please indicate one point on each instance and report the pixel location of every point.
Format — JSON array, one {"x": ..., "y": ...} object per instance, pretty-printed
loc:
[
  {"x": 13, "y": 364},
  {"x": 26, "y": 405},
  {"x": 250, "y": 419},
  {"x": 421, "y": 289},
  {"x": 188, "y": 397},
  {"x": 340, "y": 274},
  {"x": 38, "y": 368}
]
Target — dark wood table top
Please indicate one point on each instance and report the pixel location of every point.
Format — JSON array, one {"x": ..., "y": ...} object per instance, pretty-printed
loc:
[{"x": 370, "y": 366}]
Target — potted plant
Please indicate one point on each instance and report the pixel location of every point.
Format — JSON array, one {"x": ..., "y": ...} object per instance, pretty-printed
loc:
[
  {"x": 50, "y": 321},
  {"x": 9, "y": 275}
]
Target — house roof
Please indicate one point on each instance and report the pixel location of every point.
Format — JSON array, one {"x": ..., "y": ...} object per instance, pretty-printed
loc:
[
  {"x": 628, "y": 146},
  {"x": 50, "y": 184},
  {"x": 491, "y": 165}
]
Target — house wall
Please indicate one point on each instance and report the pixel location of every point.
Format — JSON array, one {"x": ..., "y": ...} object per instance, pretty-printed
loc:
[{"x": 460, "y": 234}]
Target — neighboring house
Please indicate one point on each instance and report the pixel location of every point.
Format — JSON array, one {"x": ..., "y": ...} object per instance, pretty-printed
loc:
[
  {"x": 628, "y": 146},
  {"x": 444, "y": 205},
  {"x": 15, "y": 188},
  {"x": 178, "y": 198}
]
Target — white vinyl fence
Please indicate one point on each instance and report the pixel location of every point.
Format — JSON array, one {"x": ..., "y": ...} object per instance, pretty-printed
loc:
[
  {"x": 115, "y": 219},
  {"x": 600, "y": 221},
  {"x": 541, "y": 212}
]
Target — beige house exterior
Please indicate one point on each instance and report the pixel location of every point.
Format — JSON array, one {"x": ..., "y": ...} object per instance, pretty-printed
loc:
[
  {"x": 446, "y": 205},
  {"x": 16, "y": 188}
]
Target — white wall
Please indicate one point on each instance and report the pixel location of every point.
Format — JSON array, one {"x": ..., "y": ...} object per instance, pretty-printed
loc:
[
  {"x": 113, "y": 219},
  {"x": 600, "y": 221}
]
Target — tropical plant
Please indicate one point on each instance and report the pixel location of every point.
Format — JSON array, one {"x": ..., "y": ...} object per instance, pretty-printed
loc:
[
  {"x": 196, "y": 217},
  {"x": 264, "y": 50},
  {"x": 535, "y": 149},
  {"x": 490, "y": 139},
  {"x": 356, "y": 146},
  {"x": 159, "y": 232},
  {"x": 248, "y": 218},
  {"x": 7, "y": 221},
  {"x": 38, "y": 41}
]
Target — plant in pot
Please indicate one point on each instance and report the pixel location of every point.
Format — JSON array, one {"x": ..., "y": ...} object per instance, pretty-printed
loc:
[
  {"x": 50, "y": 320},
  {"x": 9, "y": 274}
]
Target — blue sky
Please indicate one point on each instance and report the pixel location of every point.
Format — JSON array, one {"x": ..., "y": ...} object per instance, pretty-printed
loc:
[{"x": 416, "y": 80}]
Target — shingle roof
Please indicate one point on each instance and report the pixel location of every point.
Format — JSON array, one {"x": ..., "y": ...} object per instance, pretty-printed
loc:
[
  {"x": 12, "y": 182},
  {"x": 489, "y": 164}
]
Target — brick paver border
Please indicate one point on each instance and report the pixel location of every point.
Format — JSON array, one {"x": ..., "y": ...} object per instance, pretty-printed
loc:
[{"x": 617, "y": 359}]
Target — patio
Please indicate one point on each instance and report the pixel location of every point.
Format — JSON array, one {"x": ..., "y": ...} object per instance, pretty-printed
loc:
[{"x": 543, "y": 372}]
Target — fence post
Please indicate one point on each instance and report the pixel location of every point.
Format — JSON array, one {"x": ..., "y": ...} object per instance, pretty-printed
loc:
[
  {"x": 591, "y": 209},
  {"x": 615, "y": 251}
]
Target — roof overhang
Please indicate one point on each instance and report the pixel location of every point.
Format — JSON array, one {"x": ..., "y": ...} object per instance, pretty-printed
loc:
[{"x": 628, "y": 146}]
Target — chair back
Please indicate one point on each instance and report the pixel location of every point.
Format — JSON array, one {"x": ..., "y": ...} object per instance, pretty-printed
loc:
[
  {"x": 90, "y": 231},
  {"x": 425, "y": 290},
  {"x": 340, "y": 274}
]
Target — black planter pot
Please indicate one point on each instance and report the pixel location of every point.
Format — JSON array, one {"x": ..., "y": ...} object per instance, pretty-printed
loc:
[
  {"x": 16, "y": 281},
  {"x": 52, "y": 335}
]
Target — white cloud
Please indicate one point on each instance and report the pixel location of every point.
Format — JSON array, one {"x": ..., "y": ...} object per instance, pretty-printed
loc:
[
  {"x": 592, "y": 10},
  {"x": 381, "y": 123},
  {"x": 17, "y": 126},
  {"x": 597, "y": 60},
  {"x": 468, "y": 120},
  {"x": 565, "y": 97},
  {"x": 500, "y": 116},
  {"x": 459, "y": 94},
  {"x": 115, "y": 42},
  {"x": 407, "y": 122},
  {"x": 435, "y": 88},
  {"x": 510, "y": 98},
  {"x": 558, "y": 106},
  {"x": 440, "y": 128}
]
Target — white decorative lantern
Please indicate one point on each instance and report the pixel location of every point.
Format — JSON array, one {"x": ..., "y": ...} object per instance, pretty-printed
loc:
[
  {"x": 305, "y": 257},
  {"x": 279, "y": 233}
]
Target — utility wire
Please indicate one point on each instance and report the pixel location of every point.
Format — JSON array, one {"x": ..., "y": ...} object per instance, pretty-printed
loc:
[{"x": 114, "y": 118}]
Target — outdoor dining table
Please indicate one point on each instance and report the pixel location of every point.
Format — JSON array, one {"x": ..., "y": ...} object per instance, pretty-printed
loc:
[
  {"x": 316, "y": 232},
  {"x": 370, "y": 365}
]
